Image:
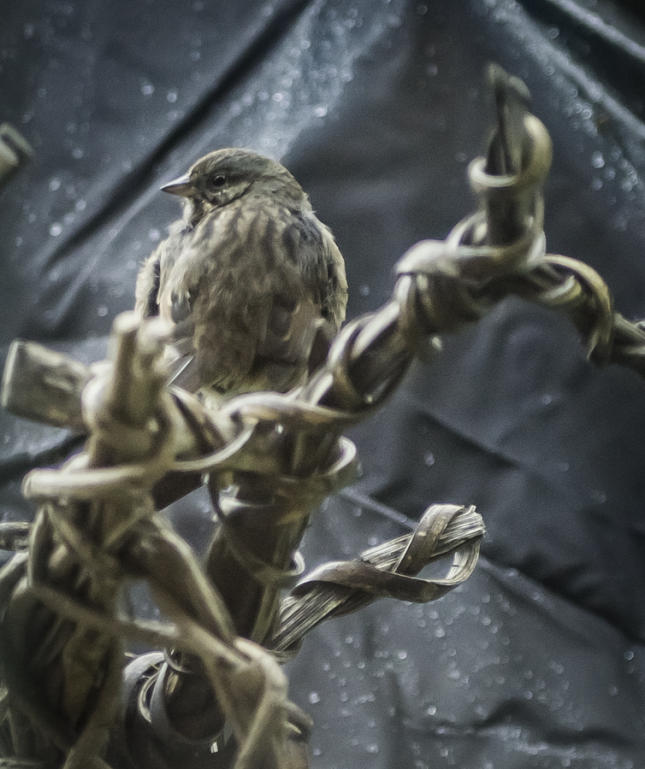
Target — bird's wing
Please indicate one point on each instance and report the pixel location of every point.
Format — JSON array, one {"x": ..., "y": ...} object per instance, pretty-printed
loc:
[
  {"x": 154, "y": 271},
  {"x": 323, "y": 270},
  {"x": 334, "y": 299},
  {"x": 147, "y": 287}
]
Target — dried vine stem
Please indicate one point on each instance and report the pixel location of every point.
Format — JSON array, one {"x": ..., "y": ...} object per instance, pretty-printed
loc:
[
  {"x": 95, "y": 528},
  {"x": 444, "y": 284},
  {"x": 386, "y": 570}
]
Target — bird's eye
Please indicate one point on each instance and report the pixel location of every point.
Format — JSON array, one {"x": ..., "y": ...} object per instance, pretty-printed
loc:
[{"x": 218, "y": 180}]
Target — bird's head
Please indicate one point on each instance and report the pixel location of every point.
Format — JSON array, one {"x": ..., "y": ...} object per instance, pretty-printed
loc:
[{"x": 224, "y": 175}]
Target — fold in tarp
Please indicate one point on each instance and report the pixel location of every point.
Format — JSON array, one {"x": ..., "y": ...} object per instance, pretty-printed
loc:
[{"x": 377, "y": 106}]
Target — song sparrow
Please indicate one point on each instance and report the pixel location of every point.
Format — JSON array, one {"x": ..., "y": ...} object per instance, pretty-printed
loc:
[{"x": 247, "y": 276}]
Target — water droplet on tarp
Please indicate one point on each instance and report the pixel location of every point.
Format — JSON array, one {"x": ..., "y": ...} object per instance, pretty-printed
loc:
[
  {"x": 597, "y": 160},
  {"x": 429, "y": 459}
]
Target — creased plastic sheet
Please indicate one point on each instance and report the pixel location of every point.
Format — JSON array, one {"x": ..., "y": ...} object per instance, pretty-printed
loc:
[{"x": 377, "y": 107}]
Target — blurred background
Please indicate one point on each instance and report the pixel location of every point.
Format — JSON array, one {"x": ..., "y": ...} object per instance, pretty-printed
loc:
[{"x": 377, "y": 106}]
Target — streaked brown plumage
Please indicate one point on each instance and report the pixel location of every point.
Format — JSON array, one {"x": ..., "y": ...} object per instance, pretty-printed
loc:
[{"x": 247, "y": 276}]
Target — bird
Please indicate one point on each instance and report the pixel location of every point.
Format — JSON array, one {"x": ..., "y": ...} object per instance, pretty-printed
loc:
[{"x": 248, "y": 278}]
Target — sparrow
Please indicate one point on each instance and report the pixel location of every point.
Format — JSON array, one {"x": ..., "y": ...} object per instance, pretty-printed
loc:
[{"x": 248, "y": 278}]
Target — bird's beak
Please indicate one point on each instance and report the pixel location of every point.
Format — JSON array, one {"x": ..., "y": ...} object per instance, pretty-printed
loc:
[{"x": 180, "y": 186}]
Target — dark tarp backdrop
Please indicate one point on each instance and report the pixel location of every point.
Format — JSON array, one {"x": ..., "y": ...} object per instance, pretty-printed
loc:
[{"x": 377, "y": 106}]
